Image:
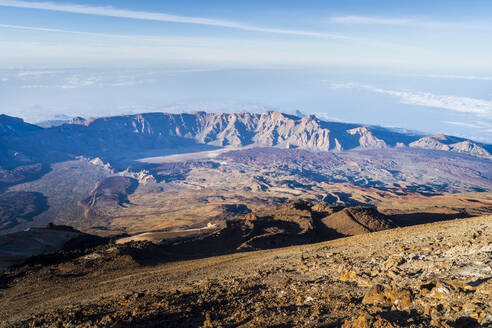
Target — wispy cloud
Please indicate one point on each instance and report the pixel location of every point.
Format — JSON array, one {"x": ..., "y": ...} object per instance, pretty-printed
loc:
[
  {"x": 56, "y": 30},
  {"x": 71, "y": 82},
  {"x": 26, "y": 75},
  {"x": 354, "y": 19},
  {"x": 104, "y": 35},
  {"x": 131, "y": 83},
  {"x": 327, "y": 117},
  {"x": 454, "y": 103},
  {"x": 455, "y": 77},
  {"x": 400, "y": 21},
  {"x": 76, "y": 82},
  {"x": 30, "y": 28},
  {"x": 465, "y": 124},
  {"x": 76, "y": 78},
  {"x": 161, "y": 17}
]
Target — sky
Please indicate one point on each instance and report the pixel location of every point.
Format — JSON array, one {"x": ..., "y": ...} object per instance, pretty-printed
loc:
[{"x": 422, "y": 65}]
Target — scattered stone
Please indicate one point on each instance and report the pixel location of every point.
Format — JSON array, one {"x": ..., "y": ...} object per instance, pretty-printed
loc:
[
  {"x": 376, "y": 296},
  {"x": 401, "y": 298},
  {"x": 440, "y": 323},
  {"x": 347, "y": 275},
  {"x": 485, "y": 287},
  {"x": 368, "y": 321},
  {"x": 208, "y": 321},
  {"x": 440, "y": 290},
  {"x": 278, "y": 292},
  {"x": 393, "y": 261}
]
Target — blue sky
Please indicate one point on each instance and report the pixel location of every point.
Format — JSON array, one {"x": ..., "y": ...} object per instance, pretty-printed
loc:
[
  {"x": 439, "y": 35},
  {"x": 422, "y": 65}
]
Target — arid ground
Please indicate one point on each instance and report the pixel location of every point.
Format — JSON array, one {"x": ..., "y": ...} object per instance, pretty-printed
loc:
[{"x": 433, "y": 275}]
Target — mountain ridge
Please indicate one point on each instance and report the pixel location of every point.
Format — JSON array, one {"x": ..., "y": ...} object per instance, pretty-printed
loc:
[{"x": 24, "y": 143}]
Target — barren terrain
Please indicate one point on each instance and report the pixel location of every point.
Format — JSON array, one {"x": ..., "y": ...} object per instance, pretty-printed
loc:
[
  {"x": 434, "y": 275},
  {"x": 186, "y": 194}
]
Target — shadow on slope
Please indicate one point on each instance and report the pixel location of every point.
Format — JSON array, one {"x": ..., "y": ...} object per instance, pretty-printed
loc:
[
  {"x": 409, "y": 219},
  {"x": 20, "y": 206},
  {"x": 11, "y": 176},
  {"x": 296, "y": 223}
]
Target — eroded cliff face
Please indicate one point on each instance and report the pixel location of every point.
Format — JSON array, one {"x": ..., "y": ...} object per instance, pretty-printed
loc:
[
  {"x": 242, "y": 129},
  {"x": 429, "y": 143},
  {"x": 270, "y": 129},
  {"x": 448, "y": 143},
  {"x": 366, "y": 139}
]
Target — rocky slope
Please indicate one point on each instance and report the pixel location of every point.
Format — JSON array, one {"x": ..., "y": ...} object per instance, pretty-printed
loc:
[
  {"x": 17, "y": 247},
  {"x": 120, "y": 136},
  {"x": 12, "y": 128},
  {"x": 20, "y": 206},
  {"x": 109, "y": 192},
  {"x": 239, "y": 229},
  {"x": 15, "y": 126},
  {"x": 434, "y": 275},
  {"x": 295, "y": 223},
  {"x": 357, "y": 220}
]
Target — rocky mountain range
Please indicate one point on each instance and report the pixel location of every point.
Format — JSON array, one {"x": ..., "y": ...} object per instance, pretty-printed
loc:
[{"x": 120, "y": 136}]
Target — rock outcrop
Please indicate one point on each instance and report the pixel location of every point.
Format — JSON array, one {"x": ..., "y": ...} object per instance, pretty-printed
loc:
[
  {"x": 469, "y": 147},
  {"x": 366, "y": 139},
  {"x": 448, "y": 143},
  {"x": 109, "y": 192}
]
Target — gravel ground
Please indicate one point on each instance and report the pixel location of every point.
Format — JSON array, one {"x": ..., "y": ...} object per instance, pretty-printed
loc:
[{"x": 434, "y": 275}]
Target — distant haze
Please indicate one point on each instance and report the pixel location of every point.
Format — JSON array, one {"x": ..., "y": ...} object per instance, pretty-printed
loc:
[
  {"x": 421, "y": 65},
  {"x": 432, "y": 104}
]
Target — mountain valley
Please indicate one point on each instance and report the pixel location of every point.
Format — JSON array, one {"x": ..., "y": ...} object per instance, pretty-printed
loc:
[{"x": 177, "y": 171}]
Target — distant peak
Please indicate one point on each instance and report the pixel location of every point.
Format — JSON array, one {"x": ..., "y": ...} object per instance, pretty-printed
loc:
[
  {"x": 310, "y": 117},
  {"x": 78, "y": 120},
  {"x": 7, "y": 118},
  {"x": 440, "y": 136},
  {"x": 299, "y": 113}
]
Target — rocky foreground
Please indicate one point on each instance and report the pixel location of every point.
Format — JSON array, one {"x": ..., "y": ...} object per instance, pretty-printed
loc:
[{"x": 434, "y": 275}]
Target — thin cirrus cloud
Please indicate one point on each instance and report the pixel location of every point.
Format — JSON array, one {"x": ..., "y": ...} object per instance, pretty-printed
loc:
[
  {"x": 105, "y": 35},
  {"x": 161, "y": 17},
  {"x": 354, "y": 19},
  {"x": 403, "y": 21},
  {"x": 474, "y": 125},
  {"x": 56, "y": 30},
  {"x": 479, "y": 107},
  {"x": 454, "y": 77}
]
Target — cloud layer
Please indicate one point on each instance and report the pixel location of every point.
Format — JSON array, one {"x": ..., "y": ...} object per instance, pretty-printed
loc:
[{"x": 454, "y": 103}]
